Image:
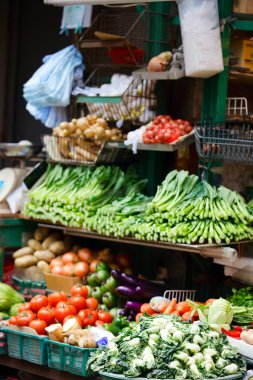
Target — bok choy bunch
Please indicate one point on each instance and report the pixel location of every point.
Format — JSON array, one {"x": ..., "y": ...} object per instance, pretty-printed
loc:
[{"x": 163, "y": 347}]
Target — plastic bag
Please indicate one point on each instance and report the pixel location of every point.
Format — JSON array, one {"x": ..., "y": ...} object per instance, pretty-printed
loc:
[
  {"x": 200, "y": 29},
  {"x": 48, "y": 91}
]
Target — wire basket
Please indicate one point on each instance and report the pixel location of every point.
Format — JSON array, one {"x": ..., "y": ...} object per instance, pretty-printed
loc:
[
  {"x": 81, "y": 151},
  {"x": 180, "y": 295},
  {"x": 237, "y": 107},
  {"x": 134, "y": 102},
  {"x": 231, "y": 141},
  {"x": 134, "y": 31}
]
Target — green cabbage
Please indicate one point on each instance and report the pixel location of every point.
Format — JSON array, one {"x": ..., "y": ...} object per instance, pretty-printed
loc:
[
  {"x": 8, "y": 297},
  {"x": 14, "y": 309},
  {"x": 220, "y": 314}
]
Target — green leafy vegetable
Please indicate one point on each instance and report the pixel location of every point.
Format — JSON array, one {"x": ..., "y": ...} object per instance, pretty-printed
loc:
[{"x": 163, "y": 347}]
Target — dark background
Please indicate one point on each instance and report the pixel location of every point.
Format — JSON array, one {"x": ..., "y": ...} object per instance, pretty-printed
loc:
[{"x": 29, "y": 30}]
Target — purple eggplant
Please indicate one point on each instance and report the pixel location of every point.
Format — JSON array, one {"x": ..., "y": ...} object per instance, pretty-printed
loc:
[
  {"x": 133, "y": 305},
  {"x": 132, "y": 312},
  {"x": 131, "y": 318},
  {"x": 129, "y": 292},
  {"x": 148, "y": 292},
  {"x": 116, "y": 274},
  {"x": 135, "y": 281},
  {"x": 124, "y": 313}
]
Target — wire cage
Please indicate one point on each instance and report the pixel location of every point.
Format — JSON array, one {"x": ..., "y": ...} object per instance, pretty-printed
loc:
[
  {"x": 237, "y": 107},
  {"x": 231, "y": 141},
  {"x": 125, "y": 37},
  {"x": 135, "y": 101},
  {"x": 74, "y": 150}
]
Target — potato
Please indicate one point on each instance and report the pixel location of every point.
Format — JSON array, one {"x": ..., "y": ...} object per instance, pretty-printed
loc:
[
  {"x": 63, "y": 125},
  {"x": 23, "y": 252},
  {"x": 58, "y": 247},
  {"x": 43, "y": 266},
  {"x": 50, "y": 239},
  {"x": 25, "y": 261},
  {"x": 89, "y": 133},
  {"x": 102, "y": 123},
  {"x": 45, "y": 255},
  {"x": 41, "y": 233},
  {"x": 34, "y": 244},
  {"x": 82, "y": 123}
]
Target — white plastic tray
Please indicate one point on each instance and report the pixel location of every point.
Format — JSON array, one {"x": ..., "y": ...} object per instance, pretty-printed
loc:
[
  {"x": 244, "y": 348},
  {"x": 121, "y": 377}
]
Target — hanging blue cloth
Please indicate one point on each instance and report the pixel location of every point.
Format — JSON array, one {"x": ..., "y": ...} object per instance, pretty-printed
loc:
[{"x": 48, "y": 91}]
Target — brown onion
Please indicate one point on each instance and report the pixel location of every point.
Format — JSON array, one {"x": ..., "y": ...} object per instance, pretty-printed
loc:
[{"x": 156, "y": 64}]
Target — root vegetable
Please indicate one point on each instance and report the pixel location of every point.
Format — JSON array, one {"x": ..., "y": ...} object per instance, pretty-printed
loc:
[
  {"x": 34, "y": 244},
  {"x": 156, "y": 64},
  {"x": 58, "y": 247},
  {"x": 41, "y": 233},
  {"x": 25, "y": 261},
  {"x": 45, "y": 255},
  {"x": 70, "y": 325},
  {"x": 43, "y": 266},
  {"x": 51, "y": 239},
  {"x": 55, "y": 332},
  {"x": 247, "y": 336},
  {"x": 23, "y": 252}
]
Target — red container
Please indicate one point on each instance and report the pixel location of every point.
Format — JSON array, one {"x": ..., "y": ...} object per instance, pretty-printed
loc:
[{"x": 126, "y": 56}]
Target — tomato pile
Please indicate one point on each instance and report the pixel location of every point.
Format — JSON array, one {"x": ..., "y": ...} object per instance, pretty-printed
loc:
[
  {"x": 85, "y": 261},
  {"x": 43, "y": 311},
  {"x": 165, "y": 130}
]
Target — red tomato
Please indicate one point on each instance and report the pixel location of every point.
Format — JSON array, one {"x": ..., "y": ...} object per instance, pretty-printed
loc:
[
  {"x": 91, "y": 303},
  {"x": 24, "y": 318},
  {"x": 186, "y": 316},
  {"x": 56, "y": 297},
  {"x": 13, "y": 320},
  {"x": 68, "y": 270},
  {"x": 56, "y": 269},
  {"x": 81, "y": 269},
  {"x": 78, "y": 301},
  {"x": 211, "y": 300},
  {"x": 39, "y": 326},
  {"x": 70, "y": 258},
  {"x": 146, "y": 308},
  {"x": 46, "y": 314},
  {"x": 85, "y": 254},
  {"x": 137, "y": 317},
  {"x": 63, "y": 311},
  {"x": 38, "y": 302},
  {"x": 56, "y": 262},
  {"x": 79, "y": 289},
  {"x": 183, "y": 307},
  {"x": 99, "y": 323},
  {"x": 93, "y": 265},
  {"x": 87, "y": 317},
  {"x": 62, "y": 303},
  {"x": 24, "y": 306},
  {"x": 105, "y": 316}
]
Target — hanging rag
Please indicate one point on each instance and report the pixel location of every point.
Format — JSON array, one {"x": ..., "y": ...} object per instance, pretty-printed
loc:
[{"x": 48, "y": 91}]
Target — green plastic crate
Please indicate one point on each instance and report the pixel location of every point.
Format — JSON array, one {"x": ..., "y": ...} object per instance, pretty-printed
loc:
[
  {"x": 65, "y": 357},
  {"x": 28, "y": 287},
  {"x": 26, "y": 346}
]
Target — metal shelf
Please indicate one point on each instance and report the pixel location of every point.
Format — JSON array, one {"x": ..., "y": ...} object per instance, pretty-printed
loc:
[
  {"x": 191, "y": 248},
  {"x": 146, "y": 75}
]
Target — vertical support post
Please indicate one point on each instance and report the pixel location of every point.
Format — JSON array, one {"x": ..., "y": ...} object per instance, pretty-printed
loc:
[{"x": 215, "y": 88}]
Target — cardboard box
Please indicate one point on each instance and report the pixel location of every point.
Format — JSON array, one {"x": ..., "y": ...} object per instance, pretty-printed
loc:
[
  {"x": 242, "y": 51},
  {"x": 243, "y": 6},
  {"x": 58, "y": 282}
]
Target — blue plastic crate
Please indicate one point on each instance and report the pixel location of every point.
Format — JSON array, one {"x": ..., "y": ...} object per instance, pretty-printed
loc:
[
  {"x": 65, "y": 357},
  {"x": 26, "y": 346}
]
